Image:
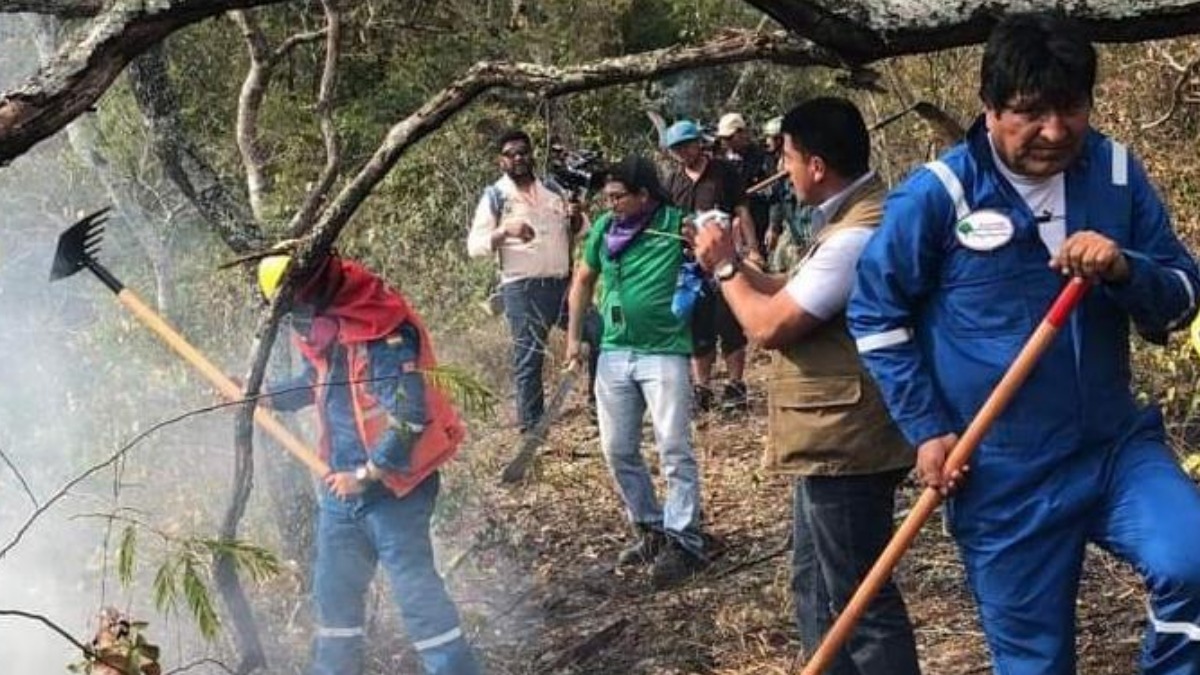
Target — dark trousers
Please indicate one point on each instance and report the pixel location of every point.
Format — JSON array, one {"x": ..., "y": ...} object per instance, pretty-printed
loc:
[
  {"x": 840, "y": 526},
  {"x": 531, "y": 306}
]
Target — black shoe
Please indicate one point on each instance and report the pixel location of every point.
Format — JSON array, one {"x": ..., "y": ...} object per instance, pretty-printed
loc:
[
  {"x": 675, "y": 565},
  {"x": 734, "y": 396},
  {"x": 702, "y": 398},
  {"x": 645, "y": 550}
]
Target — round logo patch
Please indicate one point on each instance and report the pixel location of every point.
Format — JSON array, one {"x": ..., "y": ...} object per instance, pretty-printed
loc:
[{"x": 985, "y": 230}]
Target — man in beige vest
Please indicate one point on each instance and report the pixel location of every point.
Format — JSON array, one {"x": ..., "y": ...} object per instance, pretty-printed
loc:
[{"x": 827, "y": 423}]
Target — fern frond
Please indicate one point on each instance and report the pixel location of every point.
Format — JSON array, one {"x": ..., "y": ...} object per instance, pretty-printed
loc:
[{"x": 125, "y": 555}]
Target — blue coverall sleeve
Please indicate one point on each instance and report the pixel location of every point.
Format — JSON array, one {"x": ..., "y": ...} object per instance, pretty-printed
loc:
[
  {"x": 293, "y": 394},
  {"x": 399, "y": 386},
  {"x": 1160, "y": 295},
  {"x": 897, "y": 271}
]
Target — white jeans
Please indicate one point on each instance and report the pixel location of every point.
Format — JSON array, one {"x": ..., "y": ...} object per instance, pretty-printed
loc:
[{"x": 627, "y": 384}]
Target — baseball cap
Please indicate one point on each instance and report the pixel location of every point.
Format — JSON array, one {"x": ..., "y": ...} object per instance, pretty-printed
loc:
[
  {"x": 730, "y": 124},
  {"x": 682, "y": 132},
  {"x": 773, "y": 127}
]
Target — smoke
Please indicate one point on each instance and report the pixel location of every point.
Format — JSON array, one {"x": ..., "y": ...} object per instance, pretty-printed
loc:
[{"x": 79, "y": 379}]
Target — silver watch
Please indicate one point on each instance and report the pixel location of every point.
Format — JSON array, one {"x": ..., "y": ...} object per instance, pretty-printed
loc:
[
  {"x": 362, "y": 474},
  {"x": 727, "y": 270}
]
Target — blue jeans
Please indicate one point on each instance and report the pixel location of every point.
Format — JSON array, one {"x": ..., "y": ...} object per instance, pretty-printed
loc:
[
  {"x": 352, "y": 537},
  {"x": 627, "y": 385},
  {"x": 840, "y": 526},
  {"x": 531, "y": 306}
]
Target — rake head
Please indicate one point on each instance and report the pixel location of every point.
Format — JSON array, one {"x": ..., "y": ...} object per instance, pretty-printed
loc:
[{"x": 78, "y": 245}]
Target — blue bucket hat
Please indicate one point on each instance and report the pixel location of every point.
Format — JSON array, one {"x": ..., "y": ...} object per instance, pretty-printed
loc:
[{"x": 682, "y": 132}]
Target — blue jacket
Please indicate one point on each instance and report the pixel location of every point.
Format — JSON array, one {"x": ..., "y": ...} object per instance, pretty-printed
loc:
[
  {"x": 394, "y": 381},
  {"x": 938, "y": 323}
]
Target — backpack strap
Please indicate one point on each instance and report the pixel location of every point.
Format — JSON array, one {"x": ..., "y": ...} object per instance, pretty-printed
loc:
[{"x": 495, "y": 197}]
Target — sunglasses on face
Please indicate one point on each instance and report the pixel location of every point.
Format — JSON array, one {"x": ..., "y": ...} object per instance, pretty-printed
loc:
[{"x": 513, "y": 153}]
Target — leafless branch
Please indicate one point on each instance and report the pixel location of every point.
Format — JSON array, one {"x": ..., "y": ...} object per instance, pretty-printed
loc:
[
  {"x": 97, "y": 468},
  {"x": 201, "y": 662},
  {"x": 318, "y": 194},
  {"x": 254, "y": 90},
  {"x": 63, "y": 9},
  {"x": 1187, "y": 75},
  {"x": 62, "y": 632},
  {"x": 20, "y": 478},
  {"x": 86, "y": 66},
  {"x": 296, "y": 40}
]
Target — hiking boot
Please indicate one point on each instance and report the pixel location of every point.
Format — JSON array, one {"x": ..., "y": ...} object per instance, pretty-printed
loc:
[
  {"x": 645, "y": 550},
  {"x": 734, "y": 397},
  {"x": 674, "y": 565},
  {"x": 703, "y": 398}
]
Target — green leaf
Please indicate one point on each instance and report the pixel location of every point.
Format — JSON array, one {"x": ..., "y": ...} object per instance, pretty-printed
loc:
[
  {"x": 468, "y": 391},
  {"x": 198, "y": 600},
  {"x": 164, "y": 587},
  {"x": 125, "y": 554}
]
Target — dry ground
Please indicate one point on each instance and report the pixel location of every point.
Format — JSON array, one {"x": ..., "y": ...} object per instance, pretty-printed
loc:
[{"x": 533, "y": 569}]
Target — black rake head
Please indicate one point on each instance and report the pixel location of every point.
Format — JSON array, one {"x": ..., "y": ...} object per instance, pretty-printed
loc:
[{"x": 79, "y": 244}]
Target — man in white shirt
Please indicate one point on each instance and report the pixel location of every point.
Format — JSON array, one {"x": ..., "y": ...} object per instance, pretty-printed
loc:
[
  {"x": 827, "y": 424},
  {"x": 528, "y": 225}
]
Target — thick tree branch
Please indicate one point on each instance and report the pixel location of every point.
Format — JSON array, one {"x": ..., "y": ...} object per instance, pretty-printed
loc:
[
  {"x": 317, "y": 195},
  {"x": 254, "y": 90},
  {"x": 182, "y": 161},
  {"x": 63, "y": 9},
  {"x": 863, "y": 31},
  {"x": 87, "y": 65},
  {"x": 732, "y": 47}
]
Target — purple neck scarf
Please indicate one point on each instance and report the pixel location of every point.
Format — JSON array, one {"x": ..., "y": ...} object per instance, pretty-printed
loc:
[{"x": 623, "y": 231}]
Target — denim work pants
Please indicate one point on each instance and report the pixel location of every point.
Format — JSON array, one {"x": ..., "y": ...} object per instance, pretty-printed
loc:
[
  {"x": 532, "y": 307},
  {"x": 840, "y": 526},
  {"x": 627, "y": 385},
  {"x": 352, "y": 537}
]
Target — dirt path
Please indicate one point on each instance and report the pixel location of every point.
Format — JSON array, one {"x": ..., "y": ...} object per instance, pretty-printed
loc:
[{"x": 540, "y": 589}]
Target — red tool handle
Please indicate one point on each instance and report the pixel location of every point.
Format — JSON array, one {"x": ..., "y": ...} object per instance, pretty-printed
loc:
[{"x": 999, "y": 399}]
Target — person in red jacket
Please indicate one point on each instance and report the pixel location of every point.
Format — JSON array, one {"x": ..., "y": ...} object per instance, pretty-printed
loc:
[{"x": 385, "y": 432}]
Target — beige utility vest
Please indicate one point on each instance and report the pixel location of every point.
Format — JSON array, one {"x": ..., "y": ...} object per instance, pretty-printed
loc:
[{"x": 826, "y": 416}]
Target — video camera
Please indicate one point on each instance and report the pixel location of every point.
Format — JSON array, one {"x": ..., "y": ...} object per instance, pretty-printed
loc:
[{"x": 578, "y": 171}]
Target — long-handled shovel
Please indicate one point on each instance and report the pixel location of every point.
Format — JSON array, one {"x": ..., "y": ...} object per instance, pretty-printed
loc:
[
  {"x": 76, "y": 250},
  {"x": 931, "y": 498}
]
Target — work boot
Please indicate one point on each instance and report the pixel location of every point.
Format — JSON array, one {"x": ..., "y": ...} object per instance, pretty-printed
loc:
[
  {"x": 702, "y": 398},
  {"x": 734, "y": 396},
  {"x": 649, "y": 544},
  {"x": 674, "y": 565}
]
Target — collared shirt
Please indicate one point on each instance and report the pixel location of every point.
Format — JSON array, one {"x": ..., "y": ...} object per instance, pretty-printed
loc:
[
  {"x": 822, "y": 285},
  {"x": 719, "y": 186},
  {"x": 548, "y": 254},
  {"x": 826, "y": 209}
]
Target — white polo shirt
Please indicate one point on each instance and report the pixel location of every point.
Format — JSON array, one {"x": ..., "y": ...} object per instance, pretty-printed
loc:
[{"x": 822, "y": 285}]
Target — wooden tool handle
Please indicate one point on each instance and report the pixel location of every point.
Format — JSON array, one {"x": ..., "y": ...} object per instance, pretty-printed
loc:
[
  {"x": 931, "y": 498},
  {"x": 227, "y": 387}
]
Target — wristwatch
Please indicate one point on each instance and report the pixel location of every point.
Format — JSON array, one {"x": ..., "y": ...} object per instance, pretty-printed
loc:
[
  {"x": 727, "y": 270},
  {"x": 363, "y": 474}
]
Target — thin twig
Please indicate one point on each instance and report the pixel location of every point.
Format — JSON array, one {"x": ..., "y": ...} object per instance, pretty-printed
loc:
[
  {"x": 20, "y": 478},
  {"x": 201, "y": 662},
  {"x": 62, "y": 632},
  {"x": 1185, "y": 76}
]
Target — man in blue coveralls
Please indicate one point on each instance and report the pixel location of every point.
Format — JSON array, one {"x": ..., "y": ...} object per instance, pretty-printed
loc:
[{"x": 972, "y": 251}]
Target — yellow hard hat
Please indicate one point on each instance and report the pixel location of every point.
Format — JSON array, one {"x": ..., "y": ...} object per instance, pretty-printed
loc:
[{"x": 270, "y": 272}]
